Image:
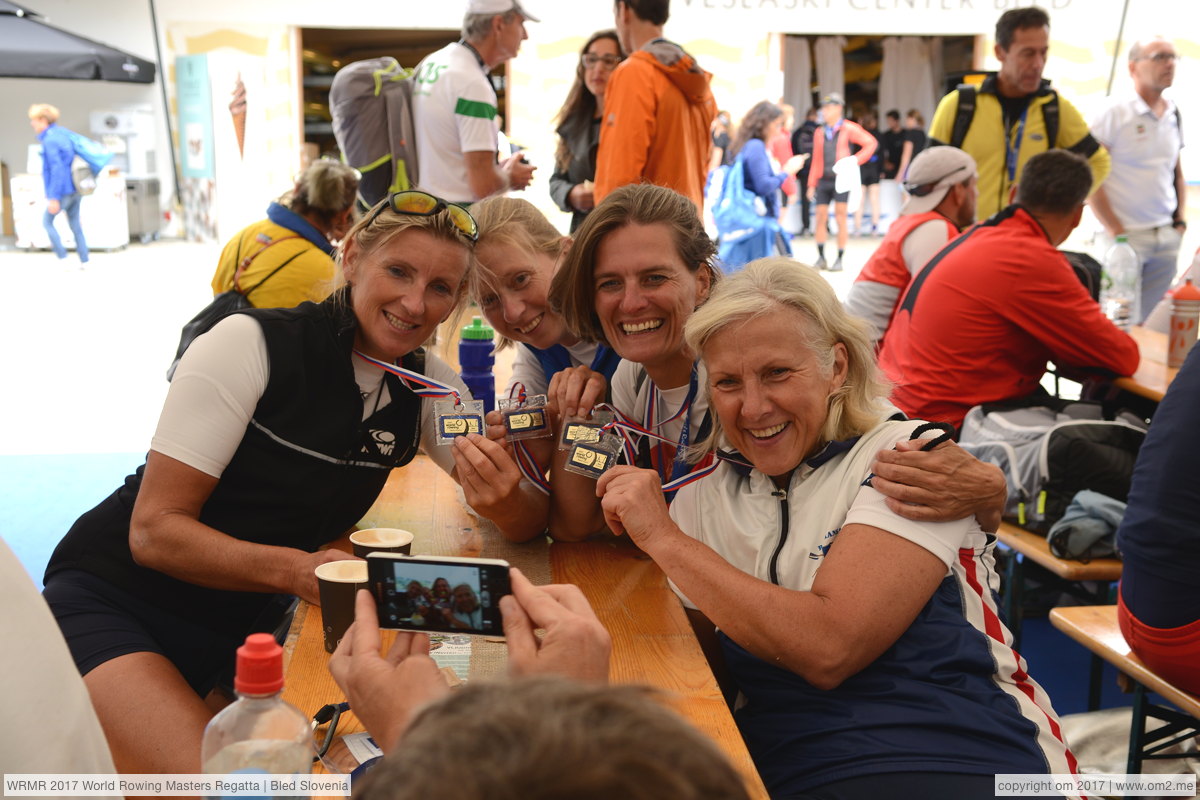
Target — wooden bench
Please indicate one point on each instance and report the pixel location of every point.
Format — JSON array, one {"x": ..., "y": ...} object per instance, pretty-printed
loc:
[
  {"x": 1096, "y": 628},
  {"x": 1033, "y": 546}
]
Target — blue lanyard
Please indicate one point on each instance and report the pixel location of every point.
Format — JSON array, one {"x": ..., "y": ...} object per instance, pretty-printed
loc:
[
  {"x": 679, "y": 465},
  {"x": 1011, "y": 150}
]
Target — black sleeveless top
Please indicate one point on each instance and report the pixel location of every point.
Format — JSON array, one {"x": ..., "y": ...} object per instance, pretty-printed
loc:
[{"x": 307, "y": 468}]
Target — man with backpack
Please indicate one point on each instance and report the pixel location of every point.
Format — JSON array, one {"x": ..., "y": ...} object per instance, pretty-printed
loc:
[
  {"x": 1014, "y": 114},
  {"x": 454, "y": 107},
  {"x": 979, "y": 322},
  {"x": 58, "y": 151}
]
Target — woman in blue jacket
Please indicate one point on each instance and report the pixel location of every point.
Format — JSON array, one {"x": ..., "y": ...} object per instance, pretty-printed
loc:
[
  {"x": 57, "y": 154},
  {"x": 762, "y": 177}
]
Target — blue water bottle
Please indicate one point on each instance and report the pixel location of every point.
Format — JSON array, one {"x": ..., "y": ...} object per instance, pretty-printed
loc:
[{"x": 476, "y": 360}]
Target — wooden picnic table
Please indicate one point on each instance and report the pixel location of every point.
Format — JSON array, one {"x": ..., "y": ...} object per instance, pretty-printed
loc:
[{"x": 653, "y": 643}]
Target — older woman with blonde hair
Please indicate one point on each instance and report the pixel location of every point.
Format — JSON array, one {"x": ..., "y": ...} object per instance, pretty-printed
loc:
[{"x": 865, "y": 648}]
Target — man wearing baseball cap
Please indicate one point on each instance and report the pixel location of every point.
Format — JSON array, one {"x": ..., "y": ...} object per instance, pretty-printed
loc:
[
  {"x": 941, "y": 189},
  {"x": 831, "y": 144},
  {"x": 454, "y": 107}
]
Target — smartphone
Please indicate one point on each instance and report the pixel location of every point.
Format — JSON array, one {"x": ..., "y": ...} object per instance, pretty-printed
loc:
[{"x": 442, "y": 594}]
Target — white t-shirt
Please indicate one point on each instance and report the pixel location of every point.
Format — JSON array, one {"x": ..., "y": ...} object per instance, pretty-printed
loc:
[
  {"x": 1144, "y": 150},
  {"x": 454, "y": 112},
  {"x": 739, "y": 517},
  {"x": 528, "y": 370},
  {"x": 49, "y": 723},
  {"x": 223, "y": 375},
  {"x": 631, "y": 401}
]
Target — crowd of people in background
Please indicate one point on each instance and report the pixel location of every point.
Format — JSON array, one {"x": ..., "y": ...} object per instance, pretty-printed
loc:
[{"x": 783, "y": 474}]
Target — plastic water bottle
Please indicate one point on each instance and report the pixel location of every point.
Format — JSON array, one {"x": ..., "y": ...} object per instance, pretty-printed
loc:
[
  {"x": 259, "y": 733},
  {"x": 476, "y": 359},
  {"x": 1121, "y": 287},
  {"x": 1185, "y": 318}
]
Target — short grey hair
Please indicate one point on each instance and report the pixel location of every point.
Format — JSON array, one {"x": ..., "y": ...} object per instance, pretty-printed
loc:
[
  {"x": 768, "y": 284},
  {"x": 1136, "y": 51},
  {"x": 476, "y": 27}
]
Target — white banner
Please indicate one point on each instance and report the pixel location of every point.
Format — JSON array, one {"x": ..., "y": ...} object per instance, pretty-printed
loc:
[
  {"x": 181, "y": 785},
  {"x": 1103, "y": 784}
]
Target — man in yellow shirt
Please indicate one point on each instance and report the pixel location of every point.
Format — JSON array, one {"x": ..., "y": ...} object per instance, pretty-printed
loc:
[{"x": 1014, "y": 114}]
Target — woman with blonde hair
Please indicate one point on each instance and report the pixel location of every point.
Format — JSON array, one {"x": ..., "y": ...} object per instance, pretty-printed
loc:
[
  {"x": 287, "y": 258},
  {"x": 865, "y": 647},
  {"x": 640, "y": 267},
  {"x": 279, "y": 431},
  {"x": 58, "y": 151}
]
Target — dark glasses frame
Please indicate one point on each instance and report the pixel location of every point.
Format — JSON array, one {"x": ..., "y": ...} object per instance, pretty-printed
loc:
[{"x": 459, "y": 216}]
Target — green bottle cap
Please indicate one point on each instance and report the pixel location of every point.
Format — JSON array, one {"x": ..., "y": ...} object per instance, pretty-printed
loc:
[{"x": 477, "y": 330}]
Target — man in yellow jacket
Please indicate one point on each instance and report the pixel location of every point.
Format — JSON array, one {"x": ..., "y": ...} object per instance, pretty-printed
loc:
[{"x": 1014, "y": 114}]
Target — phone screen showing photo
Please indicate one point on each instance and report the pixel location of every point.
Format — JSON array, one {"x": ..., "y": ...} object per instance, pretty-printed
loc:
[{"x": 452, "y": 596}]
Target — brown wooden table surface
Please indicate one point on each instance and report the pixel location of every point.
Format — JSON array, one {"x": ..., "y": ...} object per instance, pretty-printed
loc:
[
  {"x": 1153, "y": 376},
  {"x": 652, "y": 641}
]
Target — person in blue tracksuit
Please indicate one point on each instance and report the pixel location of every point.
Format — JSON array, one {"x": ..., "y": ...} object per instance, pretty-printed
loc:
[{"x": 61, "y": 195}]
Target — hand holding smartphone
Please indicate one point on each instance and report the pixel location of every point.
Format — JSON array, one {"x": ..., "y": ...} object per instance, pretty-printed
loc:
[{"x": 445, "y": 595}]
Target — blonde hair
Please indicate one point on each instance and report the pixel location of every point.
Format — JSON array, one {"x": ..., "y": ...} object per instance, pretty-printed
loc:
[
  {"x": 371, "y": 232},
  {"x": 43, "y": 110},
  {"x": 764, "y": 286},
  {"x": 324, "y": 189},
  {"x": 516, "y": 223},
  {"x": 572, "y": 293}
]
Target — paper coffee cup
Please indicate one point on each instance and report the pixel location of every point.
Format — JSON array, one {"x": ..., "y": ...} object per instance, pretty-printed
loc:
[
  {"x": 338, "y": 582},
  {"x": 381, "y": 540}
]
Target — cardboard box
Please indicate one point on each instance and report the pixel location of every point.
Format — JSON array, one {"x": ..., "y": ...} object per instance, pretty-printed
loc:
[{"x": 7, "y": 226}]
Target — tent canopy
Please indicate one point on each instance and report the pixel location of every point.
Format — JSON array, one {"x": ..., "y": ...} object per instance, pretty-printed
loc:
[{"x": 35, "y": 49}]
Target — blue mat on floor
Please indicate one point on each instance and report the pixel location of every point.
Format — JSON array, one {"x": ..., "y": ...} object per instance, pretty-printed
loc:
[{"x": 42, "y": 495}]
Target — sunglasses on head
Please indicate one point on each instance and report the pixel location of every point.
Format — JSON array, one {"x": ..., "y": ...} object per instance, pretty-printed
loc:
[
  {"x": 415, "y": 203},
  {"x": 922, "y": 189}
]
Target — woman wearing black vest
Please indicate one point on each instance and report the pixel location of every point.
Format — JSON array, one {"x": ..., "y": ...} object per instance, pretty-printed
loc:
[{"x": 277, "y": 434}]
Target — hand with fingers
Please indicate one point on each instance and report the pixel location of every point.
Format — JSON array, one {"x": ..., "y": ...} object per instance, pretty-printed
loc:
[
  {"x": 487, "y": 473},
  {"x": 942, "y": 484},
  {"x": 576, "y": 644},
  {"x": 633, "y": 503},
  {"x": 385, "y": 692},
  {"x": 575, "y": 390}
]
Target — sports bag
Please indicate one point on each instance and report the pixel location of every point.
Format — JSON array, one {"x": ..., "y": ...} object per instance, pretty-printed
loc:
[
  {"x": 1051, "y": 452},
  {"x": 90, "y": 158},
  {"x": 225, "y": 303},
  {"x": 744, "y": 231},
  {"x": 371, "y": 105}
]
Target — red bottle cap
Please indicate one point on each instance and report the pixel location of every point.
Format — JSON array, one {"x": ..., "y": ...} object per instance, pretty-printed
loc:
[
  {"x": 1187, "y": 292},
  {"x": 259, "y": 665}
]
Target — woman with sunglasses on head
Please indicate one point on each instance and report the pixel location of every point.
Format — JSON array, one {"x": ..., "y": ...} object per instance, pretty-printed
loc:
[
  {"x": 278, "y": 432},
  {"x": 639, "y": 267},
  {"x": 579, "y": 126}
]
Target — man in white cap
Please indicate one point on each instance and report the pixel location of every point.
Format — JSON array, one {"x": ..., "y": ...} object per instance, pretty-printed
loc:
[
  {"x": 942, "y": 190},
  {"x": 454, "y": 107}
]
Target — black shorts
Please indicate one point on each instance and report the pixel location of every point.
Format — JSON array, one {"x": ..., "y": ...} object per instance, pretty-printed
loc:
[
  {"x": 101, "y": 622},
  {"x": 826, "y": 193},
  {"x": 869, "y": 173}
]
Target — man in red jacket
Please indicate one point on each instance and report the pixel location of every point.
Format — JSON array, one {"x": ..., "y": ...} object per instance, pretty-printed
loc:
[
  {"x": 979, "y": 323},
  {"x": 941, "y": 202},
  {"x": 831, "y": 144}
]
